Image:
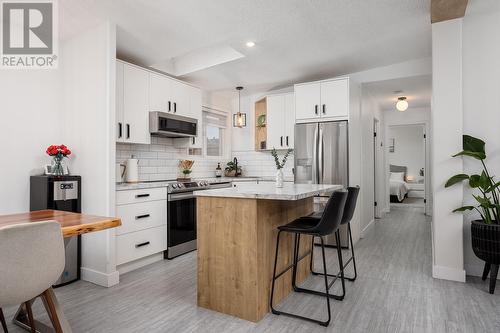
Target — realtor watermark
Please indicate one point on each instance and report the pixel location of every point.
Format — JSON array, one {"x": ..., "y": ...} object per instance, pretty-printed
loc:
[{"x": 29, "y": 34}]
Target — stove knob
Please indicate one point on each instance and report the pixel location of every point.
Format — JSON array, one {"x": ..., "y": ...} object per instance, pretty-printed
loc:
[
  {"x": 180, "y": 185},
  {"x": 174, "y": 185}
]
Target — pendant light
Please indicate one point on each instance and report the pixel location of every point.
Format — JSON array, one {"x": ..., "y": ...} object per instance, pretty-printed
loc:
[
  {"x": 239, "y": 119},
  {"x": 402, "y": 104}
]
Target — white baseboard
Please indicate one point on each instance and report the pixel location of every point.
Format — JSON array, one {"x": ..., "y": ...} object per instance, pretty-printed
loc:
[
  {"x": 448, "y": 273},
  {"x": 133, "y": 265},
  {"x": 476, "y": 270},
  {"x": 100, "y": 278},
  {"x": 365, "y": 230}
]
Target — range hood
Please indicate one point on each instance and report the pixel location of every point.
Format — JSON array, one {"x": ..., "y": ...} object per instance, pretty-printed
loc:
[{"x": 172, "y": 126}]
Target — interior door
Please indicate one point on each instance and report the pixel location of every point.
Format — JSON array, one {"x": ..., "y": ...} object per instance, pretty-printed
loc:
[
  {"x": 305, "y": 154},
  {"x": 275, "y": 122},
  {"x": 335, "y": 98},
  {"x": 289, "y": 120},
  {"x": 333, "y": 153},
  {"x": 307, "y": 100}
]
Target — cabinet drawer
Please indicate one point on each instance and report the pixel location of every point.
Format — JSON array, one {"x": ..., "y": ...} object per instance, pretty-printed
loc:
[
  {"x": 140, "y": 216},
  {"x": 135, "y": 196},
  {"x": 140, "y": 244}
]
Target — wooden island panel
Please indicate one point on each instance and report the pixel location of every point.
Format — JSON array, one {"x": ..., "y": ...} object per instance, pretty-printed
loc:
[{"x": 236, "y": 248}]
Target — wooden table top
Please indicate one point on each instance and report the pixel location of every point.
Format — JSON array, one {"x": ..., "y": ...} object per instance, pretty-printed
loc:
[{"x": 72, "y": 224}]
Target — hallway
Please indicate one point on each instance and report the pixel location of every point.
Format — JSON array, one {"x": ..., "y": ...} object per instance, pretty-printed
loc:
[{"x": 394, "y": 292}]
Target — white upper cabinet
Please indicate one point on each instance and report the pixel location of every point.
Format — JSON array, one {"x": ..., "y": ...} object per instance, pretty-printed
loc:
[
  {"x": 274, "y": 119},
  {"x": 335, "y": 98},
  {"x": 280, "y": 121},
  {"x": 134, "y": 116},
  {"x": 180, "y": 98},
  {"x": 289, "y": 120},
  {"x": 160, "y": 93},
  {"x": 307, "y": 101},
  {"x": 120, "y": 137},
  {"x": 324, "y": 100}
]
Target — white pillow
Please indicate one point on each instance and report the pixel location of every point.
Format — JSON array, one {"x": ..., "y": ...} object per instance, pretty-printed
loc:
[{"x": 398, "y": 176}]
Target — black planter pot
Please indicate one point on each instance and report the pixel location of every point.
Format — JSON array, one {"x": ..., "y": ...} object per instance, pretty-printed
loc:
[{"x": 486, "y": 246}]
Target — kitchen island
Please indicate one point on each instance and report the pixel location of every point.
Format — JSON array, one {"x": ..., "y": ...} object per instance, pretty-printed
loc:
[{"x": 237, "y": 230}]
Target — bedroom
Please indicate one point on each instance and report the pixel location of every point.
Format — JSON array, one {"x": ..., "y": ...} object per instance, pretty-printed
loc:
[{"x": 406, "y": 157}]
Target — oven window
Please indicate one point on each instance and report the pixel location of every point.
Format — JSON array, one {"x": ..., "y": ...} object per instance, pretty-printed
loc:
[{"x": 181, "y": 221}]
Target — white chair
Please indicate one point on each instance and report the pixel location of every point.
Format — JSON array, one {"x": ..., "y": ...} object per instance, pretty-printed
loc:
[{"x": 31, "y": 261}]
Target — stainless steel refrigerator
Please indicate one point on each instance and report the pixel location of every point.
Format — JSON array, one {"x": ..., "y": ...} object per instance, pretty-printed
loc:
[{"x": 322, "y": 157}]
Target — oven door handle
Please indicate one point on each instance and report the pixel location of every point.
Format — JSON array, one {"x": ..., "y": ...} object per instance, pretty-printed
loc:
[{"x": 180, "y": 196}]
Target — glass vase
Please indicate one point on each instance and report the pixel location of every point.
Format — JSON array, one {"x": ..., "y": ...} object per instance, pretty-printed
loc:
[
  {"x": 279, "y": 178},
  {"x": 57, "y": 168}
]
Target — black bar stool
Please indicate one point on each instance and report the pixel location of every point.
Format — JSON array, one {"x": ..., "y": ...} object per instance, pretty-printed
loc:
[
  {"x": 350, "y": 207},
  {"x": 308, "y": 225}
]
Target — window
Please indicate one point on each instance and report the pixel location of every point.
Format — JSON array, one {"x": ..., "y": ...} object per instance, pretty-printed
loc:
[{"x": 214, "y": 130}]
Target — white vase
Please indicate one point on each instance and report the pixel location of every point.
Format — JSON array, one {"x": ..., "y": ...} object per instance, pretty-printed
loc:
[{"x": 279, "y": 178}]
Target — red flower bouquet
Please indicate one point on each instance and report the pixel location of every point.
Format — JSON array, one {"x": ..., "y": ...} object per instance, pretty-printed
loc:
[{"x": 58, "y": 153}]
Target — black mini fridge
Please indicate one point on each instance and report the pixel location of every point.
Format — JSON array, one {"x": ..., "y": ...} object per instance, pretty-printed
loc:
[{"x": 60, "y": 193}]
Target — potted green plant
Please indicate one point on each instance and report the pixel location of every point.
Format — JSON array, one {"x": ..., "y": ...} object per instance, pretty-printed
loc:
[
  {"x": 232, "y": 169},
  {"x": 485, "y": 231}
]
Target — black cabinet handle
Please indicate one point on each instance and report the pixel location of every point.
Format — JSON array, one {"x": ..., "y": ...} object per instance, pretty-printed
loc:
[
  {"x": 169, "y": 106},
  {"x": 142, "y": 244},
  {"x": 175, "y": 107},
  {"x": 324, "y": 108},
  {"x": 142, "y": 195},
  {"x": 119, "y": 130},
  {"x": 316, "y": 109},
  {"x": 142, "y": 216},
  {"x": 194, "y": 140},
  {"x": 128, "y": 131},
  {"x": 287, "y": 140},
  {"x": 281, "y": 141}
]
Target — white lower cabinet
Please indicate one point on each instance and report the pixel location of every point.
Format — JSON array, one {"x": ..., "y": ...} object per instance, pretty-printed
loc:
[
  {"x": 144, "y": 224},
  {"x": 140, "y": 244}
]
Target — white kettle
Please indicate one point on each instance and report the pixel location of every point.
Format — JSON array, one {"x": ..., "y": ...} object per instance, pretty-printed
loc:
[{"x": 132, "y": 170}]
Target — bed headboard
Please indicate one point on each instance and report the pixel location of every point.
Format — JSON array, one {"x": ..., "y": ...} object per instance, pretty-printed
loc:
[{"x": 398, "y": 168}]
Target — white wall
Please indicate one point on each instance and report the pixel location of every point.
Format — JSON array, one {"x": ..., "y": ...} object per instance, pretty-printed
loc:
[
  {"x": 409, "y": 148},
  {"x": 88, "y": 61},
  {"x": 481, "y": 111},
  {"x": 31, "y": 120}
]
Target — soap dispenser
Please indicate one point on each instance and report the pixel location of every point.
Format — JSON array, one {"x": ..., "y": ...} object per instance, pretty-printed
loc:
[{"x": 218, "y": 171}]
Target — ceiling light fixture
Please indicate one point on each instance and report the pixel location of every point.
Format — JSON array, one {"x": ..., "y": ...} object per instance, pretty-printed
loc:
[
  {"x": 402, "y": 104},
  {"x": 239, "y": 119},
  {"x": 250, "y": 44}
]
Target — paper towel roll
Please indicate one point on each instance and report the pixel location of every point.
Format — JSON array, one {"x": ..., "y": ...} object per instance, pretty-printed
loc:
[{"x": 132, "y": 170}]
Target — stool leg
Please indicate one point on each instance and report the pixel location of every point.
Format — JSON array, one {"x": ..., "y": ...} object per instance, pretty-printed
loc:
[
  {"x": 493, "y": 278},
  {"x": 295, "y": 260},
  {"x": 274, "y": 274},
  {"x": 4, "y": 324},
  {"x": 30, "y": 316},
  {"x": 486, "y": 270},
  {"x": 325, "y": 323},
  {"x": 341, "y": 264},
  {"x": 352, "y": 253},
  {"x": 311, "y": 263}
]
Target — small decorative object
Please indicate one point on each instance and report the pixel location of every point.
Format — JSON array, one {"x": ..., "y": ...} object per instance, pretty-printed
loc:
[
  {"x": 218, "y": 171},
  {"x": 280, "y": 166},
  {"x": 232, "y": 169},
  {"x": 421, "y": 173},
  {"x": 58, "y": 153},
  {"x": 261, "y": 121},
  {"x": 263, "y": 145},
  {"x": 391, "y": 145},
  {"x": 485, "y": 232},
  {"x": 185, "y": 166},
  {"x": 239, "y": 119}
]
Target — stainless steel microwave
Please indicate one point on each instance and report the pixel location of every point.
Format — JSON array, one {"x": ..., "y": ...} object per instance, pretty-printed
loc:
[{"x": 172, "y": 125}]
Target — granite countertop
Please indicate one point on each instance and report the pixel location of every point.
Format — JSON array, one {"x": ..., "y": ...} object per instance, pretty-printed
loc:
[
  {"x": 269, "y": 191},
  {"x": 143, "y": 185}
]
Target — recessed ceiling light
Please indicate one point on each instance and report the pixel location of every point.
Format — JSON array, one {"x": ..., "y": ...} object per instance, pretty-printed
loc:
[{"x": 250, "y": 44}]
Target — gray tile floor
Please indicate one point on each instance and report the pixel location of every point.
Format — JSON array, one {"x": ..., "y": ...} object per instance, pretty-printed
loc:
[{"x": 394, "y": 293}]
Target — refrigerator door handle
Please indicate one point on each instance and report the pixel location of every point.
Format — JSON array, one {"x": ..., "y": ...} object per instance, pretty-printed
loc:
[
  {"x": 321, "y": 162},
  {"x": 315, "y": 157}
]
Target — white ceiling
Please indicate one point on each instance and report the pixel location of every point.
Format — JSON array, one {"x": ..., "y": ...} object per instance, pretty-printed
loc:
[
  {"x": 296, "y": 40},
  {"x": 417, "y": 90}
]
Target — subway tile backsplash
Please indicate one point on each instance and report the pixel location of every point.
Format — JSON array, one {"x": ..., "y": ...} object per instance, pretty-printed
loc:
[{"x": 160, "y": 159}]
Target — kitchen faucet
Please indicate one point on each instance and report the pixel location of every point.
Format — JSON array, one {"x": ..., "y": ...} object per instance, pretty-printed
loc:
[{"x": 235, "y": 161}]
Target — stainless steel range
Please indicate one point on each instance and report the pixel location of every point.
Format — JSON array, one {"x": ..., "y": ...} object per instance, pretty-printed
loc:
[{"x": 181, "y": 212}]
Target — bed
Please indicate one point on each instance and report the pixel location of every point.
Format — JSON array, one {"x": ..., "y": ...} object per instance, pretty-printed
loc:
[{"x": 398, "y": 188}]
